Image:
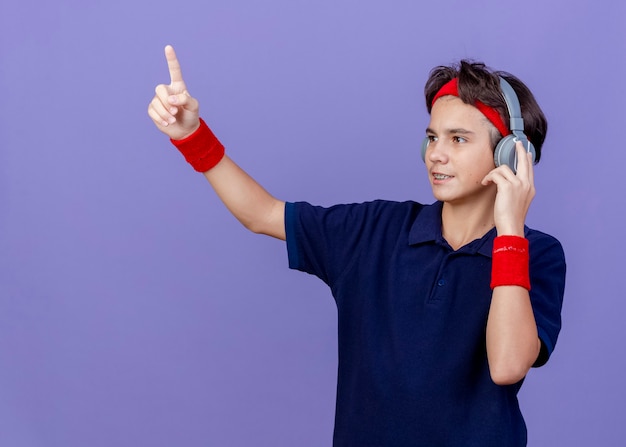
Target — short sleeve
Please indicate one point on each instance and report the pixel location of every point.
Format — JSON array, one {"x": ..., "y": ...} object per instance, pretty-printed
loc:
[
  {"x": 326, "y": 242},
  {"x": 547, "y": 281},
  {"x": 323, "y": 241}
]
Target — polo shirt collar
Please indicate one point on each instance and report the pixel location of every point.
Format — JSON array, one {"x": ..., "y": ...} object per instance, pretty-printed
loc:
[
  {"x": 427, "y": 228},
  {"x": 427, "y": 224}
]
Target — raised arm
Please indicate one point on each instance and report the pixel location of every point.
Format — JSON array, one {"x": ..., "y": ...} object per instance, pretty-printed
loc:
[
  {"x": 513, "y": 343},
  {"x": 176, "y": 113}
]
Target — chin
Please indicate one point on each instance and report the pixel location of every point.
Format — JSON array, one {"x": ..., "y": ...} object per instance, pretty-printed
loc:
[
  {"x": 442, "y": 196},
  {"x": 465, "y": 199}
]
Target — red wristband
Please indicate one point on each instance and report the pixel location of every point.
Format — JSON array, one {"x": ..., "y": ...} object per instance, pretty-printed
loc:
[
  {"x": 510, "y": 262},
  {"x": 201, "y": 149}
]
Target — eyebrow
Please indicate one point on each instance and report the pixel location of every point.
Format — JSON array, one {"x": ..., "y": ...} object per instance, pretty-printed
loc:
[{"x": 457, "y": 130}]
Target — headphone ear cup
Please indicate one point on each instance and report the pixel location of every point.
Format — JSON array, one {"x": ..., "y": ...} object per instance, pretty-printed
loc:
[
  {"x": 505, "y": 151},
  {"x": 425, "y": 143}
]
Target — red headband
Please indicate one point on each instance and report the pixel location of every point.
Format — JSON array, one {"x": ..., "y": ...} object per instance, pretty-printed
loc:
[{"x": 452, "y": 88}]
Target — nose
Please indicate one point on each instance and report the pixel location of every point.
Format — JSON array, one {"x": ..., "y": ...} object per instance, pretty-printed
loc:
[{"x": 436, "y": 152}]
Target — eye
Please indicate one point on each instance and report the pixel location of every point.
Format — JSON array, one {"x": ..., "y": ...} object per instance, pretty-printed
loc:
[
  {"x": 458, "y": 139},
  {"x": 431, "y": 138}
]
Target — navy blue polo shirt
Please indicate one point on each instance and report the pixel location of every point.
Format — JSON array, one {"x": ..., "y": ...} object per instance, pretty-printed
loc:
[{"x": 412, "y": 316}]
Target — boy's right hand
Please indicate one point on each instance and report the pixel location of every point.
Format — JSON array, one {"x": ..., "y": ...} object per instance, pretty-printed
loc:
[{"x": 173, "y": 110}]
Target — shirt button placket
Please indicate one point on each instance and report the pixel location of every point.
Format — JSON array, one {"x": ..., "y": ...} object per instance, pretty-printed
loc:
[{"x": 439, "y": 291}]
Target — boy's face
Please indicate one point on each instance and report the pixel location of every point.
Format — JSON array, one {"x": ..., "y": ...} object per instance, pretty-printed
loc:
[{"x": 460, "y": 153}]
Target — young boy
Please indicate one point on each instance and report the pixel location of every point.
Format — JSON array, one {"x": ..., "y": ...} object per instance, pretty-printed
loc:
[{"x": 443, "y": 308}]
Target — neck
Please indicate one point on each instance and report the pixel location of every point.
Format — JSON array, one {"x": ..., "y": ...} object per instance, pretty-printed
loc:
[{"x": 461, "y": 224}]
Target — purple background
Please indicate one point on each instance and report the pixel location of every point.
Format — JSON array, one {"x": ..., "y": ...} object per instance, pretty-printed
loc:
[{"x": 135, "y": 311}]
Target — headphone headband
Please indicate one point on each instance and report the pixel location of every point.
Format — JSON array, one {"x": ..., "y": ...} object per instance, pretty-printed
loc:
[{"x": 512, "y": 104}]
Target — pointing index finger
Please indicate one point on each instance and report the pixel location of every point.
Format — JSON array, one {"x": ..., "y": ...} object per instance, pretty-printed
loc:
[{"x": 176, "y": 75}]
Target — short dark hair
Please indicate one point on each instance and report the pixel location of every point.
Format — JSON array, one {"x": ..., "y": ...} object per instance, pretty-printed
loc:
[{"x": 477, "y": 82}]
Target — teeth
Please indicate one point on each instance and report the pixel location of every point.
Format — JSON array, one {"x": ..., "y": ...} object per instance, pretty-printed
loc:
[{"x": 441, "y": 176}]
